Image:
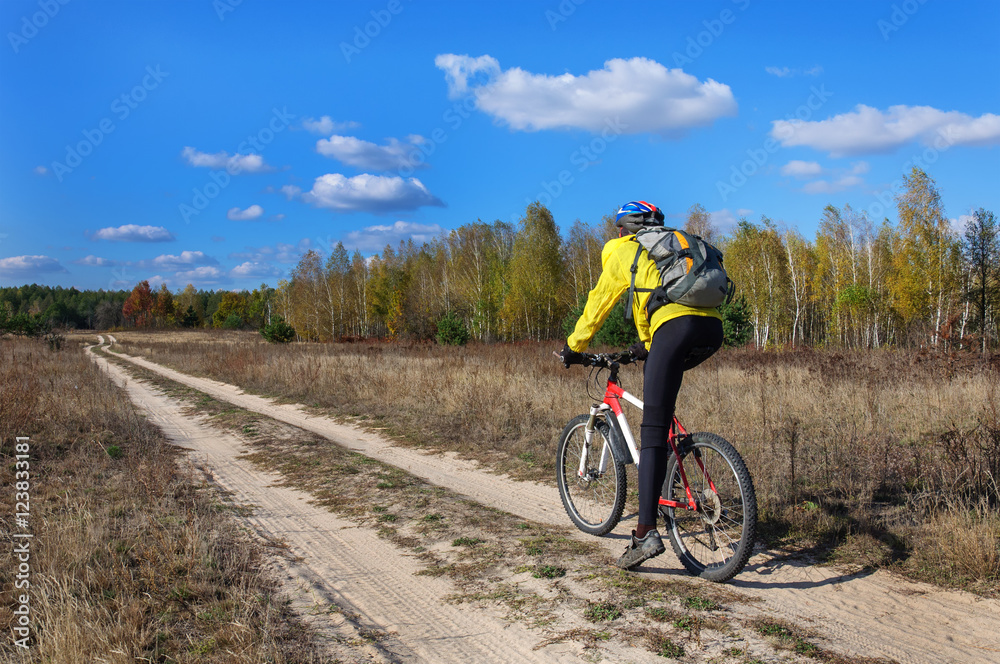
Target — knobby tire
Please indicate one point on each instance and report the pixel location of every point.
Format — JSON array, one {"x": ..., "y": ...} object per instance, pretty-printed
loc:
[
  {"x": 715, "y": 542},
  {"x": 594, "y": 503}
]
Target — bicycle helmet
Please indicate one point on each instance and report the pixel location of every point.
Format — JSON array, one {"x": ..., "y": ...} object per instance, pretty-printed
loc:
[{"x": 636, "y": 215}]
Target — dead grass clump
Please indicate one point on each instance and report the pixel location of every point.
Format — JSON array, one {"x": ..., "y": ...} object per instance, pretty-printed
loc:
[
  {"x": 959, "y": 546},
  {"x": 19, "y": 387},
  {"x": 130, "y": 560}
]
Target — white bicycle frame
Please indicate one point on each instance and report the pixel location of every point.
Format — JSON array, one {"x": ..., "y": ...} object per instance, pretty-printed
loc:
[{"x": 613, "y": 395}]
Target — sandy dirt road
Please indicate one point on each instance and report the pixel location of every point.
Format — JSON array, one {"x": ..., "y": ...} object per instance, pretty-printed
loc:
[
  {"x": 869, "y": 615},
  {"x": 382, "y": 593}
]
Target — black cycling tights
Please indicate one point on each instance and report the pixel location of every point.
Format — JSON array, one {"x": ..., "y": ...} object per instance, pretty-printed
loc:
[{"x": 678, "y": 345}]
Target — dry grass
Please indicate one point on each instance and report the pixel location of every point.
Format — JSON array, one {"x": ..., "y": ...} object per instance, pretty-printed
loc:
[
  {"x": 130, "y": 561},
  {"x": 868, "y": 458}
]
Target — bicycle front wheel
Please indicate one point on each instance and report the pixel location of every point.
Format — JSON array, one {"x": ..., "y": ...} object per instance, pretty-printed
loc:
[
  {"x": 716, "y": 540},
  {"x": 591, "y": 482}
]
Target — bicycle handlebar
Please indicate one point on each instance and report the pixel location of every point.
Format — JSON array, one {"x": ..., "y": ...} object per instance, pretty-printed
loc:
[{"x": 606, "y": 360}]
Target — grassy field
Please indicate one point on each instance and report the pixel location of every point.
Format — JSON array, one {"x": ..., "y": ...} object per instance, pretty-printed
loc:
[
  {"x": 875, "y": 459},
  {"x": 131, "y": 559}
]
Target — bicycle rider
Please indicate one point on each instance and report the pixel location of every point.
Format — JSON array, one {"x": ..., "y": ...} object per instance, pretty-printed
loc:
[{"x": 677, "y": 338}]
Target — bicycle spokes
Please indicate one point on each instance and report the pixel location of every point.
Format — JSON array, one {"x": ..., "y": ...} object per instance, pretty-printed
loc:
[{"x": 715, "y": 539}]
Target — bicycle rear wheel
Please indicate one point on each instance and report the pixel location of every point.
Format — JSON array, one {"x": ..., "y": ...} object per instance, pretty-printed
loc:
[
  {"x": 594, "y": 499},
  {"x": 714, "y": 542}
]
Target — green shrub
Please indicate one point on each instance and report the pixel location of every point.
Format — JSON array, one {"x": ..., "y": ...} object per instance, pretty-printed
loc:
[
  {"x": 452, "y": 330},
  {"x": 232, "y": 322},
  {"x": 736, "y": 325},
  {"x": 190, "y": 317},
  {"x": 278, "y": 332},
  {"x": 616, "y": 331}
]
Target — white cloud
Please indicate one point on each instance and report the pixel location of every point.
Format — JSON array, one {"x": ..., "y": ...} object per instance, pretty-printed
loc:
[
  {"x": 839, "y": 179},
  {"x": 25, "y": 266},
  {"x": 959, "y": 225},
  {"x": 367, "y": 193},
  {"x": 202, "y": 275},
  {"x": 801, "y": 169},
  {"x": 867, "y": 130},
  {"x": 281, "y": 252},
  {"x": 458, "y": 69},
  {"x": 374, "y": 238},
  {"x": 252, "y": 212},
  {"x": 234, "y": 164},
  {"x": 96, "y": 261},
  {"x": 326, "y": 125},
  {"x": 157, "y": 280},
  {"x": 725, "y": 220},
  {"x": 134, "y": 233},
  {"x": 832, "y": 186},
  {"x": 170, "y": 262},
  {"x": 40, "y": 170},
  {"x": 785, "y": 72},
  {"x": 368, "y": 156},
  {"x": 252, "y": 269},
  {"x": 291, "y": 191},
  {"x": 629, "y": 96}
]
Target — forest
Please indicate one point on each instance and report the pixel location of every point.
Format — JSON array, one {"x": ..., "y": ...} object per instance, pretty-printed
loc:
[{"x": 860, "y": 283}]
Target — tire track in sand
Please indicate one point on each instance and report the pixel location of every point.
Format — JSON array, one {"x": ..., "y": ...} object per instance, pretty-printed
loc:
[
  {"x": 342, "y": 564},
  {"x": 872, "y": 615}
]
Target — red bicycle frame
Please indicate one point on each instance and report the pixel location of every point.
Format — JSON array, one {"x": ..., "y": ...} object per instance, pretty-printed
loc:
[{"x": 612, "y": 401}]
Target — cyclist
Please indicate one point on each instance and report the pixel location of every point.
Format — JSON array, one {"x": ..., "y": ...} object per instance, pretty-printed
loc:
[{"x": 676, "y": 338}]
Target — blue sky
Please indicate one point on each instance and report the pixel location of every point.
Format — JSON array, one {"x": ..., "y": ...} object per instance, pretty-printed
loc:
[{"x": 214, "y": 141}]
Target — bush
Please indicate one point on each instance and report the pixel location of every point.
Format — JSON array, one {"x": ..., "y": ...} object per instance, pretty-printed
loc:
[
  {"x": 736, "y": 325},
  {"x": 190, "y": 318},
  {"x": 616, "y": 331},
  {"x": 452, "y": 330},
  {"x": 233, "y": 322},
  {"x": 278, "y": 332}
]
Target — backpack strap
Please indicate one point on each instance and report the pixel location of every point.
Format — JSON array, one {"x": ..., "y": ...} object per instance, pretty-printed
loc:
[
  {"x": 632, "y": 289},
  {"x": 691, "y": 252}
]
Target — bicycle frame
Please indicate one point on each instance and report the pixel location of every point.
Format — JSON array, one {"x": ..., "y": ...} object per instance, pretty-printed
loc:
[{"x": 612, "y": 401}]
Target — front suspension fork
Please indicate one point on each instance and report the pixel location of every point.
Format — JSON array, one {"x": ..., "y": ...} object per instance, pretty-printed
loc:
[{"x": 588, "y": 436}]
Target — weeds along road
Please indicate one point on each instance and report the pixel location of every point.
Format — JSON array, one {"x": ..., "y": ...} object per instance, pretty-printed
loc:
[{"x": 860, "y": 615}]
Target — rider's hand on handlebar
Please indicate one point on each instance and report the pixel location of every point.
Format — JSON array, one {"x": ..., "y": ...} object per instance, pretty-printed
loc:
[
  {"x": 569, "y": 356},
  {"x": 639, "y": 351}
]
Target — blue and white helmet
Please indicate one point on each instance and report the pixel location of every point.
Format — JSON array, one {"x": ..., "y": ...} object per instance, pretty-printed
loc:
[{"x": 636, "y": 215}]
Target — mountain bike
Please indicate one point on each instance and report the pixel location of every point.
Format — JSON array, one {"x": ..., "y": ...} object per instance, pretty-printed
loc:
[{"x": 707, "y": 502}]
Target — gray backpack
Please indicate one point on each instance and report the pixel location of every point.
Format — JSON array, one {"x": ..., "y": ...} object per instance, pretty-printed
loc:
[{"x": 691, "y": 271}]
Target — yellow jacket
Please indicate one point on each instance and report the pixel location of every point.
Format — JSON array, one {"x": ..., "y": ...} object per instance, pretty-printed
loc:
[{"x": 616, "y": 277}]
